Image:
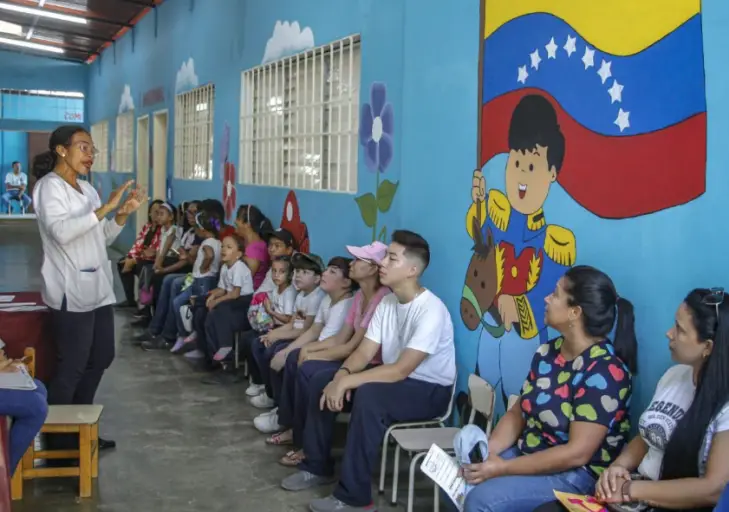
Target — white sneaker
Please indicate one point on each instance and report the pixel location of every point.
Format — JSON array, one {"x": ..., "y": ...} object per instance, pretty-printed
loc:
[
  {"x": 262, "y": 401},
  {"x": 255, "y": 389},
  {"x": 267, "y": 423}
]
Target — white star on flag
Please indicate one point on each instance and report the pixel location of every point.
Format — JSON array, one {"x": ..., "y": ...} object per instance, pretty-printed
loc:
[
  {"x": 623, "y": 120},
  {"x": 589, "y": 58},
  {"x": 551, "y": 49},
  {"x": 605, "y": 72},
  {"x": 536, "y": 59},
  {"x": 523, "y": 75},
  {"x": 571, "y": 46},
  {"x": 616, "y": 92}
]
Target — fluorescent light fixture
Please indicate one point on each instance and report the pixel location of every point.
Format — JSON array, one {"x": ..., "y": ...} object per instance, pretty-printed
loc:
[
  {"x": 62, "y": 94},
  {"x": 32, "y": 46},
  {"x": 44, "y": 13},
  {"x": 11, "y": 28}
]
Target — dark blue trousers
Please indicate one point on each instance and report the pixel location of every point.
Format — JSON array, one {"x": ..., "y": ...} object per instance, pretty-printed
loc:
[
  {"x": 293, "y": 404},
  {"x": 28, "y": 410},
  {"x": 374, "y": 408},
  {"x": 220, "y": 325},
  {"x": 262, "y": 356}
]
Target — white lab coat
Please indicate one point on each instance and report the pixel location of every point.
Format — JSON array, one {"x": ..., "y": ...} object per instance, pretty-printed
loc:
[{"x": 75, "y": 260}]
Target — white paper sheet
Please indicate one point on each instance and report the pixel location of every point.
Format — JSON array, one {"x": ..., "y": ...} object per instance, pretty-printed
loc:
[
  {"x": 17, "y": 380},
  {"x": 22, "y": 307},
  {"x": 445, "y": 472},
  {"x": 6, "y": 298}
]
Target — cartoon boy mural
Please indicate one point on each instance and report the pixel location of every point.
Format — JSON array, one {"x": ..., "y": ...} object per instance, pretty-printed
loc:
[{"x": 518, "y": 258}]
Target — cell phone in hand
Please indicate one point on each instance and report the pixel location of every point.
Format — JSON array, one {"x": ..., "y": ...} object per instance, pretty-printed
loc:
[{"x": 475, "y": 455}]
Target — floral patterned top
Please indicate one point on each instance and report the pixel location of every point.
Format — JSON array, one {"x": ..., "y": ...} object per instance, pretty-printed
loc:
[
  {"x": 595, "y": 387},
  {"x": 136, "y": 251}
]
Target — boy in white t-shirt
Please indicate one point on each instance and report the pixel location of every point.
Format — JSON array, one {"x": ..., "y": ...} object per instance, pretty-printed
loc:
[
  {"x": 332, "y": 312},
  {"x": 415, "y": 332},
  {"x": 308, "y": 269}
]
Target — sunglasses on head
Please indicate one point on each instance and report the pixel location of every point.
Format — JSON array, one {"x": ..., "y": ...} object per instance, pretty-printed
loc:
[{"x": 715, "y": 298}]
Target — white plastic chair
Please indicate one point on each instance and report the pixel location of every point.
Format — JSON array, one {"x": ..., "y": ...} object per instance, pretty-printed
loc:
[{"x": 482, "y": 397}]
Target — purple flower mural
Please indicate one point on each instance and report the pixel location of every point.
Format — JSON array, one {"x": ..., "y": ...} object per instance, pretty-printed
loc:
[{"x": 376, "y": 135}]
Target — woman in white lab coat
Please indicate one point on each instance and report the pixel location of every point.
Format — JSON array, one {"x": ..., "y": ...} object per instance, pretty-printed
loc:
[{"x": 78, "y": 284}]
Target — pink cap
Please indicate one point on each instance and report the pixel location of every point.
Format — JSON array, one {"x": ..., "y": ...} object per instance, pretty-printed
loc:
[{"x": 374, "y": 252}]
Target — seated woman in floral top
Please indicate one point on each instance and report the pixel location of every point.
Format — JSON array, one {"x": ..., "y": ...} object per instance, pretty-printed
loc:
[{"x": 571, "y": 421}]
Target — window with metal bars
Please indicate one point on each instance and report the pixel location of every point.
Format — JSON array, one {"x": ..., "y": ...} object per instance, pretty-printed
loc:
[
  {"x": 194, "y": 133},
  {"x": 300, "y": 119},
  {"x": 124, "y": 143},
  {"x": 100, "y": 135}
]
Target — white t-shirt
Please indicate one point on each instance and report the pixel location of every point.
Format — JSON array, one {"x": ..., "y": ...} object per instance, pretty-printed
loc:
[
  {"x": 332, "y": 317},
  {"x": 307, "y": 304},
  {"x": 424, "y": 324},
  {"x": 187, "y": 238},
  {"x": 238, "y": 275},
  {"x": 673, "y": 397},
  {"x": 268, "y": 286},
  {"x": 165, "y": 234},
  {"x": 215, "y": 245},
  {"x": 283, "y": 302},
  {"x": 16, "y": 180}
]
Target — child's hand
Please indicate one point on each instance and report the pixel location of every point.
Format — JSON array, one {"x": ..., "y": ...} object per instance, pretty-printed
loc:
[
  {"x": 211, "y": 302},
  {"x": 267, "y": 306}
]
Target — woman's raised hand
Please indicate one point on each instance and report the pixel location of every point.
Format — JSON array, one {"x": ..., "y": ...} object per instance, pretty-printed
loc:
[
  {"x": 134, "y": 200},
  {"x": 115, "y": 197}
]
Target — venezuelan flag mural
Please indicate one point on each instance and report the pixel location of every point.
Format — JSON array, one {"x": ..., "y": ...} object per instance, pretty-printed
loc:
[{"x": 605, "y": 98}]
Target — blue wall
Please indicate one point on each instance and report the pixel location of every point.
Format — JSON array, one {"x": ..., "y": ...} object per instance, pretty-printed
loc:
[
  {"x": 13, "y": 147},
  {"x": 428, "y": 56}
]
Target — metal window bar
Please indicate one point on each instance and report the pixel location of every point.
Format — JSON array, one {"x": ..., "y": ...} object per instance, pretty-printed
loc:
[
  {"x": 100, "y": 136},
  {"x": 194, "y": 118}
]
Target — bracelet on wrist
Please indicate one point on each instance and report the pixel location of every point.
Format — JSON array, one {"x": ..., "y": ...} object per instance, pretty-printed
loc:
[{"x": 345, "y": 369}]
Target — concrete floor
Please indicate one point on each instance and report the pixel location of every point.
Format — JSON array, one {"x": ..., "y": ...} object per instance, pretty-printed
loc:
[{"x": 182, "y": 446}]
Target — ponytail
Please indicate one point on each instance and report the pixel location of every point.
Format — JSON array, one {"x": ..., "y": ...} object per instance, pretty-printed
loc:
[
  {"x": 250, "y": 214},
  {"x": 44, "y": 163},
  {"x": 626, "y": 344}
]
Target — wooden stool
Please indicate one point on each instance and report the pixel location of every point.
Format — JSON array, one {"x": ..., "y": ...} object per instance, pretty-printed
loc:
[{"x": 66, "y": 419}]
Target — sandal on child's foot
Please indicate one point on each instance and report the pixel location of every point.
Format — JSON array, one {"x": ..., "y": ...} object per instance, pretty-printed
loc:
[
  {"x": 292, "y": 458},
  {"x": 281, "y": 439}
]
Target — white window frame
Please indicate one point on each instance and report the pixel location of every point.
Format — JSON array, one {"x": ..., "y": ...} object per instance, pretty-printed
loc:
[
  {"x": 124, "y": 142},
  {"x": 100, "y": 134},
  {"x": 300, "y": 120},
  {"x": 194, "y": 116}
]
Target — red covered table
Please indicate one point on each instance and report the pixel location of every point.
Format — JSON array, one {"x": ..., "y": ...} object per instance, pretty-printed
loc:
[{"x": 22, "y": 329}]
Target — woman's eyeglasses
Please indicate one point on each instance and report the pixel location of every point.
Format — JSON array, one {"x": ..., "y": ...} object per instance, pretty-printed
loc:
[
  {"x": 87, "y": 148},
  {"x": 715, "y": 298}
]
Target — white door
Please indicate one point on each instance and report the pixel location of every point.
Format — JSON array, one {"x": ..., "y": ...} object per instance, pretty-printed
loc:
[
  {"x": 159, "y": 152},
  {"x": 142, "y": 165}
]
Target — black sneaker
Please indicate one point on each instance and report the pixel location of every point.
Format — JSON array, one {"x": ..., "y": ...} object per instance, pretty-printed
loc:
[
  {"x": 222, "y": 378},
  {"x": 158, "y": 343},
  {"x": 126, "y": 305},
  {"x": 141, "y": 338}
]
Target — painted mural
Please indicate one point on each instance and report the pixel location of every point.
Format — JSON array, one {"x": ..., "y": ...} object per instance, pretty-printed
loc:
[
  {"x": 288, "y": 38},
  {"x": 227, "y": 171},
  {"x": 607, "y": 101},
  {"x": 376, "y": 136},
  {"x": 291, "y": 221}
]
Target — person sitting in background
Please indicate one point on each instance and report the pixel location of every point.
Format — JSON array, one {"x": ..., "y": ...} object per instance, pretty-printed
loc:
[
  {"x": 16, "y": 183},
  {"x": 327, "y": 355},
  {"x": 414, "y": 330},
  {"x": 27, "y": 408},
  {"x": 226, "y": 306},
  {"x": 682, "y": 449},
  {"x": 143, "y": 249},
  {"x": 572, "y": 418},
  {"x": 251, "y": 225},
  {"x": 330, "y": 316},
  {"x": 204, "y": 277},
  {"x": 307, "y": 275},
  {"x": 215, "y": 208}
]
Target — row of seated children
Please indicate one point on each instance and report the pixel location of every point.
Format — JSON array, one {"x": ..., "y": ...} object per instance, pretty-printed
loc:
[{"x": 393, "y": 362}]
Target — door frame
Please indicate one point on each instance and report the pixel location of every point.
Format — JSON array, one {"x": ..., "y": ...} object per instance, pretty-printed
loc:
[
  {"x": 166, "y": 113},
  {"x": 142, "y": 212}
]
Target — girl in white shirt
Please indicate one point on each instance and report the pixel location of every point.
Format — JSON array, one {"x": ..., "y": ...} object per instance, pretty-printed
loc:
[
  {"x": 153, "y": 272},
  {"x": 78, "y": 283},
  {"x": 682, "y": 451}
]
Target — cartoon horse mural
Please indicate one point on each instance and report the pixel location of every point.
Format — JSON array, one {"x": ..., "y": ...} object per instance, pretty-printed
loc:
[{"x": 593, "y": 108}]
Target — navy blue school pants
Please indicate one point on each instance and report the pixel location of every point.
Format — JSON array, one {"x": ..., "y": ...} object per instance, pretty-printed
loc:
[
  {"x": 375, "y": 407},
  {"x": 28, "y": 410},
  {"x": 262, "y": 356},
  {"x": 293, "y": 404},
  {"x": 216, "y": 328}
]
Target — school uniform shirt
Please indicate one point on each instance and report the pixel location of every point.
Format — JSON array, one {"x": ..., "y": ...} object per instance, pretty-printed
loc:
[
  {"x": 307, "y": 304},
  {"x": 237, "y": 275},
  {"x": 268, "y": 286},
  {"x": 188, "y": 239},
  {"x": 283, "y": 302},
  {"x": 215, "y": 245},
  {"x": 423, "y": 324},
  {"x": 332, "y": 316},
  {"x": 673, "y": 397},
  {"x": 75, "y": 261},
  {"x": 16, "y": 180},
  {"x": 165, "y": 234}
]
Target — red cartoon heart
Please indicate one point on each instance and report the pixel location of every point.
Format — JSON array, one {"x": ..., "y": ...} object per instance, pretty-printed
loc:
[
  {"x": 580, "y": 393},
  {"x": 617, "y": 373},
  {"x": 620, "y": 415},
  {"x": 526, "y": 406},
  {"x": 560, "y": 361},
  {"x": 562, "y": 392}
]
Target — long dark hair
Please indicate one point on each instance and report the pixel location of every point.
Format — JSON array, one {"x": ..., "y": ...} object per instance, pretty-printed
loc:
[
  {"x": 186, "y": 226},
  {"x": 250, "y": 214},
  {"x": 209, "y": 222},
  {"x": 594, "y": 292},
  {"x": 681, "y": 457},
  {"x": 45, "y": 162},
  {"x": 153, "y": 229}
]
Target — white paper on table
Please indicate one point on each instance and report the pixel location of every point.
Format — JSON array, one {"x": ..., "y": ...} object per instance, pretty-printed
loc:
[
  {"x": 6, "y": 298},
  {"x": 8, "y": 305},
  {"x": 16, "y": 309},
  {"x": 17, "y": 380},
  {"x": 445, "y": 472}
]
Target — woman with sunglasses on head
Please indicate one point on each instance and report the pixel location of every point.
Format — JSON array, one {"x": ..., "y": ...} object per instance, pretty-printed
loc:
[{"x": 78, "y": 284}]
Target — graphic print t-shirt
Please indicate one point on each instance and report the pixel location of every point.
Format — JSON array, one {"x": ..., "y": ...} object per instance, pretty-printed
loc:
[{"x": 595, "y": 387}]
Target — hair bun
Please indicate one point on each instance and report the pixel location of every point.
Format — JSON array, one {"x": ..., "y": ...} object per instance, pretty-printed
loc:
[{"x": 43, "y": 163}]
